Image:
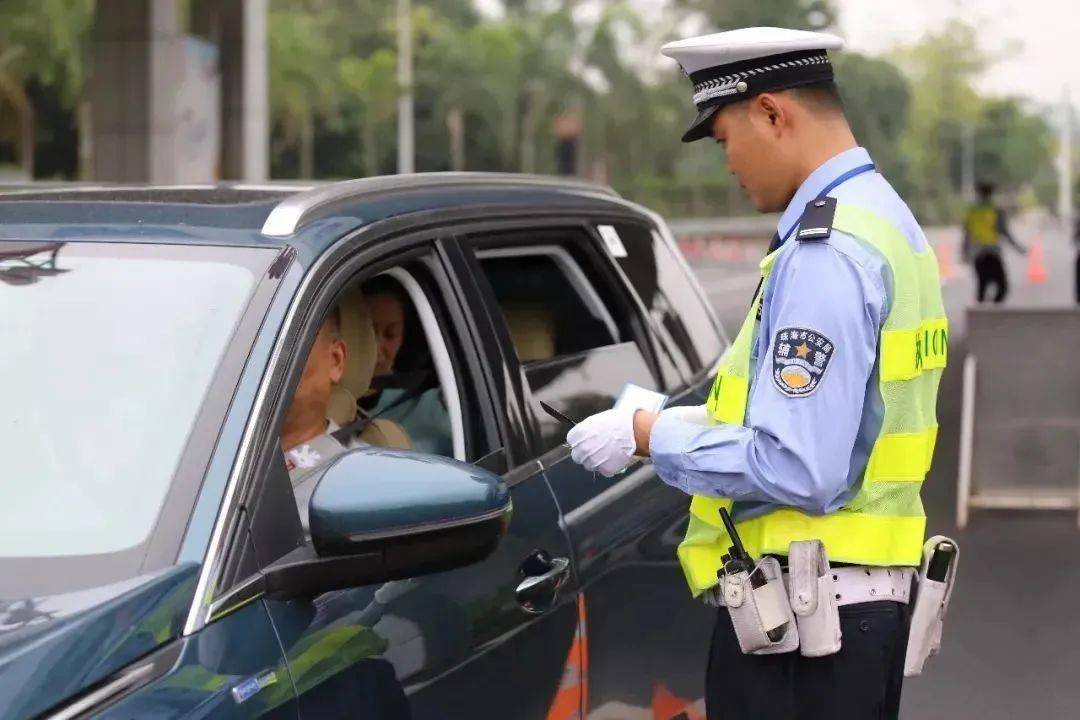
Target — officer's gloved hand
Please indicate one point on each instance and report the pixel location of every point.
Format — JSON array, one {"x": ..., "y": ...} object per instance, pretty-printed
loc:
[
  {"x": 604, "y": 442},
  {"x": 696, "y": 414}
]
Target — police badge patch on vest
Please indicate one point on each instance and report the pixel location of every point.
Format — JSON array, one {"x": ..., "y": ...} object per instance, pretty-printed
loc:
[{"x": 800, "y": 359}]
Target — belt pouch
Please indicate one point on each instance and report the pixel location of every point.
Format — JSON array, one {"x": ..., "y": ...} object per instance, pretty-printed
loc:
[
  {"x": 931, "y": 603},
  {"x": 757, "y": 610},
  {"x": 813, "y": 599}
]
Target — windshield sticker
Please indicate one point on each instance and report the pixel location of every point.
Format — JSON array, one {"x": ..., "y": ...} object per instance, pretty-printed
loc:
[{"x": 612, "y": 240}]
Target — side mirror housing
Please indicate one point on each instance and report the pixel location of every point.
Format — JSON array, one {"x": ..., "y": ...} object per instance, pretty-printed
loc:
[{"x": 378, "y": 515}]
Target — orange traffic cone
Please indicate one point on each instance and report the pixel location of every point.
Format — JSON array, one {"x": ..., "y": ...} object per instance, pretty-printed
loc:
[
  {"x": 571, "y": 701},
  {"x": 945, "y": 261},
  {"x": 668, "y": 706},
  {"x": 1036, "y": 270}
]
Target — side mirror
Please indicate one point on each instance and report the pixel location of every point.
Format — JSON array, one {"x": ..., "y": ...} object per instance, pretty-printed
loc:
[{"x": 378, "y": 515}]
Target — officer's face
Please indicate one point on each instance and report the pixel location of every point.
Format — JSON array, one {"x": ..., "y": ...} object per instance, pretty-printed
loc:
[{"x": 752, "y": 143}]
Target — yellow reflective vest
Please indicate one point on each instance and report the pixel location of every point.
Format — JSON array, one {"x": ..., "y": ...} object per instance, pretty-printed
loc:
[
  {"x": 981, "y": 224},
  {"x": 884, "y": 522}
]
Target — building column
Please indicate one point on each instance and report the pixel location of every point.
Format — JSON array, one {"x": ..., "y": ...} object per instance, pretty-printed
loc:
[
  {"x": 137, "y": 65},
  {"x": 245, "y": 106}
]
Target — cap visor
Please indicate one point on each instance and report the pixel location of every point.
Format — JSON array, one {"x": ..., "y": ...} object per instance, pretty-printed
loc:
[{"x": 702, "y": 125}]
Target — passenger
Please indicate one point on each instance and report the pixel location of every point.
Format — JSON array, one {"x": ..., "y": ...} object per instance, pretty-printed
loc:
[
  {"x": 415, "y": 405},
  {"x": 307, "y": 435}
]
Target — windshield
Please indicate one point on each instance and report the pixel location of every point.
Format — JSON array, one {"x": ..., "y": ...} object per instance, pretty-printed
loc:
[{"x": 106, "y": 354}]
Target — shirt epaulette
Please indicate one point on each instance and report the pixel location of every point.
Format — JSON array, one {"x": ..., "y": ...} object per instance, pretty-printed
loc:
[{"x": 817, "y": 219}]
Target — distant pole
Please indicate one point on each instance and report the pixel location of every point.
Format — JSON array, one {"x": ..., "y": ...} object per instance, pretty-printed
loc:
[
  {"x": 406, "y": 140},
  {"x": 1065, "y": 165},
  {"x": 967, "y": 141},
  {"x": 255, "y": 158}
]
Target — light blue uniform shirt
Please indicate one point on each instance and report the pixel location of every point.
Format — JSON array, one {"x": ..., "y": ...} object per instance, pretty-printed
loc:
[{"x": 807, "y": 452}]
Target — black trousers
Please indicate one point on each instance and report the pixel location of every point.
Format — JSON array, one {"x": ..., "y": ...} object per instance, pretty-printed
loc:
[
  {"x": 861, "y": 682},
  {"x": 991, "y": 271}
]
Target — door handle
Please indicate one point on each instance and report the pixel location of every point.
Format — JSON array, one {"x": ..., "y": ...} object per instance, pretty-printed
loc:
[{"x": 536, "y": 593}]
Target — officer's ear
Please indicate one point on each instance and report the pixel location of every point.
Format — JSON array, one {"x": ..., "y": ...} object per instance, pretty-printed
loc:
[{"x": 769, "y": 112}]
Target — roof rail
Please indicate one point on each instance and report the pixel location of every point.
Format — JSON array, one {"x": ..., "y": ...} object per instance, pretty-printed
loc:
[{"x": 289, "y": 215}]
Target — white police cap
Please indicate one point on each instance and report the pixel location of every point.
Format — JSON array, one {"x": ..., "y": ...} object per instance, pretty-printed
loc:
[{"x": 731, "y": 66}]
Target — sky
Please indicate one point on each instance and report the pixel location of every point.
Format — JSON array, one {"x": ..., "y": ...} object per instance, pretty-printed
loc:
[{"x": 1046, "y": 34}]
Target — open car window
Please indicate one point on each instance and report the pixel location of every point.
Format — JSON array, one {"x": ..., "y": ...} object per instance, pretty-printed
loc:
[{"x": 571, "y": 328}]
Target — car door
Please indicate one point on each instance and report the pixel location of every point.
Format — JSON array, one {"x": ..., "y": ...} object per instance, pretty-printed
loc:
[
  {"x": 650, "y": 593},
  {"x": 470, "y": 642},
  {"x": 645, "y": 635}
]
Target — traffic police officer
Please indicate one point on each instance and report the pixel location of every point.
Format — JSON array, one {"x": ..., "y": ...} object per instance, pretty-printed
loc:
[{"x": 821, "y": 422}]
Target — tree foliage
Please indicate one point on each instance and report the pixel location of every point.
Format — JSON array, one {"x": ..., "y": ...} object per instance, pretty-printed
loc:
[
  {"x": 41, "y": 41},
  {"x": 877, "y": 99},
  {"x": 498, "y": 92}
]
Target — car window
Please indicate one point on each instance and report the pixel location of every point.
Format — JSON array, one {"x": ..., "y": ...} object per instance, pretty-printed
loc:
[
  {"x": 108, "y": 351},
  {"x": 415, "y": 383},
  {"x": 668, "y": 293},
  {"x": 550, "y": 306},
  {"x": 573, "y": 334},
  {"x": 383, "y": 371}
]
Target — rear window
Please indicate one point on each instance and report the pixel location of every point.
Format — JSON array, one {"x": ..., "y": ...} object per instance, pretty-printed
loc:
[
  {"x": 573, "y": 332},
  {"x": 669, "y": 293},
  {"x": 551, "y": 307}
]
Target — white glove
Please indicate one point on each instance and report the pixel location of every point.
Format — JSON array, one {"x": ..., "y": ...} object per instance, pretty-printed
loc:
[
  {"x": 604, "y": 442},
  {"x": 696, "y": 414}
]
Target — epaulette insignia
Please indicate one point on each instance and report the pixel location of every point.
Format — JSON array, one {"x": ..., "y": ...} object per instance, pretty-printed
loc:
[{"x": 817, "y": 219}]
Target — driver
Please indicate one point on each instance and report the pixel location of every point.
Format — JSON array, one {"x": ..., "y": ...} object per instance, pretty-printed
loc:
[{"x": 307, "y": 435}]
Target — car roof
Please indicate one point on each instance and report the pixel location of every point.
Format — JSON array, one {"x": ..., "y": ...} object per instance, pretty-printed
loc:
[{"x": 307, "y": 215}]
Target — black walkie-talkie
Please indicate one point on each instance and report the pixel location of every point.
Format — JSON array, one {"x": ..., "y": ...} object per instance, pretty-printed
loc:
[
  {"x": 741, "y": 560},
  {"x": 938, "y": 567}
]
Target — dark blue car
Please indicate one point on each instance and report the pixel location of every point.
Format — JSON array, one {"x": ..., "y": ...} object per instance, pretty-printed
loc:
[{"x": 154, "y": 559}]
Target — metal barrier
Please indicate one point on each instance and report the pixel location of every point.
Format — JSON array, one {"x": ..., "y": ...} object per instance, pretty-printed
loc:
[
  {"x": 1020, "y": 415},
  {"x": 724, "y": 239},
  {"x": 751, "y": 226}
]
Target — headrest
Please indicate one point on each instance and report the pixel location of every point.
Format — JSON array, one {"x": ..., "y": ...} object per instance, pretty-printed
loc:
[
  {"x": 381, "y": 432},
  {"x": 361, "y": 353},
  {"x": 532, "y": 329}
]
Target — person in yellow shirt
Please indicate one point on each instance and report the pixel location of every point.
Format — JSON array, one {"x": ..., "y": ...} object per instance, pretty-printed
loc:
[{"x": 984, "y": 225}]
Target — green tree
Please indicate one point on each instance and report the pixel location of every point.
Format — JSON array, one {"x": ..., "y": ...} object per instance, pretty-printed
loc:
[
  {"x": 448, "y": 65},
  {"x": 551, "y": 46},
  {"x": 1012, "y": 146},
  {"x": 304, "y": 75},
  {"x": 40, "y": 40},
  {"x": 372, "y": 83},
  {"x": 877, "y": 101},
  {"x": 498, "y": 49},
  {"x": 942, "y": 69}
]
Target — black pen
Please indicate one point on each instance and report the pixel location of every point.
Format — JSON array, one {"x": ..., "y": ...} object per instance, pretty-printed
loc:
[{"x": 557, "y": 415}]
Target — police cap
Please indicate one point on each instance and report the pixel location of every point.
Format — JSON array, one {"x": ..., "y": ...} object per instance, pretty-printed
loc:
[{"x": 735, "y": 65}]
